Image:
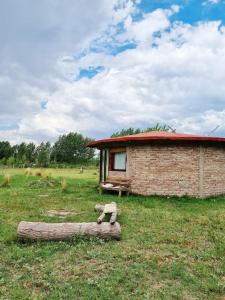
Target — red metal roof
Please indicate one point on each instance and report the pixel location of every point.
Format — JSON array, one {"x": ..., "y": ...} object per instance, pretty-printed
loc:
[{"x": 156, "y": 136}]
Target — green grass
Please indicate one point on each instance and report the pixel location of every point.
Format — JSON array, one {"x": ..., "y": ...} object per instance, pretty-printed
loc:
[{"x": 171, "y": 248}]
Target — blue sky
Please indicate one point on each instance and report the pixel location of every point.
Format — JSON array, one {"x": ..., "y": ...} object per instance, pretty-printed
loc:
[
  {"x": 192, "y": 11},
  {"x": 96, "y": 67}
]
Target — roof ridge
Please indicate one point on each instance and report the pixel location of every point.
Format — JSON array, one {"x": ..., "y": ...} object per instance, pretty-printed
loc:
[{"x": 157, "y": 132}]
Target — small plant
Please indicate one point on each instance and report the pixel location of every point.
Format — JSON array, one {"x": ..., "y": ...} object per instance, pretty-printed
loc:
[
  {"x": 5, "y": 182},
  {"x": 64, "y": 186}
]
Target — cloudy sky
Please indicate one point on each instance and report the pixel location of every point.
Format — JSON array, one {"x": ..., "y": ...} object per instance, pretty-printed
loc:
[{"x": 98, "y": 66}]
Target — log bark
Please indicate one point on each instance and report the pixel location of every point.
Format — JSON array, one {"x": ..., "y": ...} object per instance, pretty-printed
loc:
[{"x": 62, "y": 231}]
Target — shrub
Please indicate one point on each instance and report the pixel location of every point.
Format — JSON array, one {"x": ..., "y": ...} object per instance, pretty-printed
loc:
[
  {"x": 38, "y": 173},
  {"x": 64, "y": 186},
  {"x": 5, "y": 182}
]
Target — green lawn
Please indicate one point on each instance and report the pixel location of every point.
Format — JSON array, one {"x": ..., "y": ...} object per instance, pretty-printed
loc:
[{"x": 171, "y": 248}]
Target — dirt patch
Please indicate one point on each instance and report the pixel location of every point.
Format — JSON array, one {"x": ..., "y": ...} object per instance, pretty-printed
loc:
[
  {"x": 61, "y": 213},
  {"x": 157, "y": 286}
]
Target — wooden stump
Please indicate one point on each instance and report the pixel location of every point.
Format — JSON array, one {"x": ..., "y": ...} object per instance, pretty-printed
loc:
[
  {"x": 62, "y": 231},
  {"x": 107, "y": 209}
]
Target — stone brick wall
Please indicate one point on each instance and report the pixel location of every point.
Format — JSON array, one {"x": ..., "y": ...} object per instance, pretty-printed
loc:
[
  {"x": 213, "y": 171},
  {"x": 164, "y": 170},
  {"x": 193, "y": 170}
]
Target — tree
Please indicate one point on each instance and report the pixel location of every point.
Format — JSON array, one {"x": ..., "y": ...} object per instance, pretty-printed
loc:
[
  {"x": 71, "y": 148},
  {"x": 31, "y": 152},
  {"x": 20, "y": 153},
  {"x": 11, "y": 161},
  {"x": 24, "y": 153},
  {"x": 130, "y": 131},
  {"x": 5, "y": 150},
  {"x": 43, "y": 154},
  {"x": 160, "y": 127}
]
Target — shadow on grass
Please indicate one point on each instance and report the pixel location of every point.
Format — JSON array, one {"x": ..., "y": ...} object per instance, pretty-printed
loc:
[
  {"x": 155, "y": 201},
  {"x": 73, "y": 241}
]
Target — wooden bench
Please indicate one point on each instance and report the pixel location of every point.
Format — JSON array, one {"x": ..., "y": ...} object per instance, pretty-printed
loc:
[{"x": 118, "y": 184}]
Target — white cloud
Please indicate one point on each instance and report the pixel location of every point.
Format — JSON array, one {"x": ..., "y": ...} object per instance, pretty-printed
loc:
[
  {"x": 175, "y": 77},
  {"x": 211, "y": 2},
  {"x": 33, "y": 36},
  {"x": 142, "y": 32}
]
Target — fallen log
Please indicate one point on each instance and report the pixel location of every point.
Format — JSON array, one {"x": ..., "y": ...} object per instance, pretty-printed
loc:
[{"x": 62, "y": 231}]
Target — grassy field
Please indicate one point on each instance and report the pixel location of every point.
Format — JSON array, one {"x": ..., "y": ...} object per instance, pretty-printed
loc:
[{"x": 171, "y": 248}]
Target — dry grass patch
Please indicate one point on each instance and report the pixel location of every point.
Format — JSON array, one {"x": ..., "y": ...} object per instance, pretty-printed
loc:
[
  {"x": 64, "y": 186},
  {"x": 5, "y": 181}
]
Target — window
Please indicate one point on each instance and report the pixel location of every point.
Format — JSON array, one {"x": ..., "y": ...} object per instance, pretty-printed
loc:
[{"x": 118, "y": 161}]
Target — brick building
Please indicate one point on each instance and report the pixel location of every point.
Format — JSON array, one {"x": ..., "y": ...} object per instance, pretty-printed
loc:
[{"x": 165, "y": 163}]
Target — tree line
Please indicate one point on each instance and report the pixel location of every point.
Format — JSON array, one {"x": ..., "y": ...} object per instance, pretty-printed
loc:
[{"x": 68, "y": 149}]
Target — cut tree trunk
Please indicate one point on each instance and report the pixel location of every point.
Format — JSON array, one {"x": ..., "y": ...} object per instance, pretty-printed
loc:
[
  {"x": 99, "y": 207},
  {"x": 107, "y": 209},
  {"x": 112, "y": 220},
  {"x": 101, "y": 218},
  {"x": 62, "y": 231}
]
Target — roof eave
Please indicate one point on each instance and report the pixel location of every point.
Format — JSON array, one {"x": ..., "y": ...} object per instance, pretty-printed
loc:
[{"x": 125, "y": 140}]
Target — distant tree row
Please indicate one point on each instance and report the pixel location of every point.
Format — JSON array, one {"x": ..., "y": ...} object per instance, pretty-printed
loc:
[
  {"x": 131, "y": 130},
  {"x": 69, "y": 149}
]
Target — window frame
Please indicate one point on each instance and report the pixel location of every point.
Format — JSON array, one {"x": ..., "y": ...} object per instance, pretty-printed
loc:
[{"x": 112, "y": 159}]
